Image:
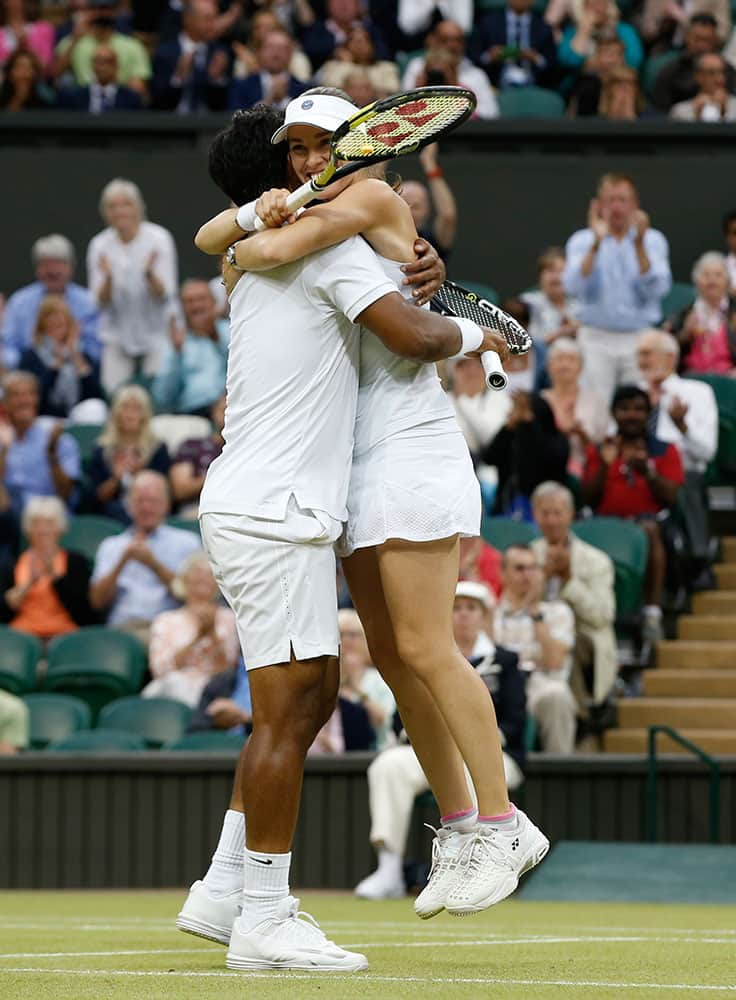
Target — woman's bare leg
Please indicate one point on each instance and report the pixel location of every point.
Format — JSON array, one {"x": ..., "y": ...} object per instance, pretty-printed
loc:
[
  {"x": 431, "y": 739},
  {"x": 419, "y": 583}
]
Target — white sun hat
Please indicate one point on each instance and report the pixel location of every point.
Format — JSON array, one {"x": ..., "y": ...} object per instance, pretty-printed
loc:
[{"x": 319, "y": 110}]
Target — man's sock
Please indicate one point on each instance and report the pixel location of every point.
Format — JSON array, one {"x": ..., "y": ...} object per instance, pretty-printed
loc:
[
  {"x": 505, "y": 821},
  {"x": 460, "y": 822},
  {"x": 390, "y": 864},
  {"x": 225, "y": 873},
  {"x": 265, "y": 885}
]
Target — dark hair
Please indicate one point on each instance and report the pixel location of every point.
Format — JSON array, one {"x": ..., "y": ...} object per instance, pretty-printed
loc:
[
  {"x": 243, "y": 162},
  {"x": 330, "y": 92},
  {"x": 519, "y": 546},
  {"x": 705, "y": 19},
  {"x": 626, "y": 392},
  {"x": 518, "y": 309},
  {"x": 7, "y": 90},
  {"x": 728, "y": 218}
]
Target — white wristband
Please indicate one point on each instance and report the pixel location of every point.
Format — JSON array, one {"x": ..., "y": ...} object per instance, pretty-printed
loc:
[
  {"x": 246, "y": 217},
  {"x": 470, "y": 332}
]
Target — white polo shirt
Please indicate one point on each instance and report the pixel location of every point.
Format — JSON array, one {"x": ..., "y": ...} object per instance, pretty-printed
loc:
[{"x": 292, "y": 384}]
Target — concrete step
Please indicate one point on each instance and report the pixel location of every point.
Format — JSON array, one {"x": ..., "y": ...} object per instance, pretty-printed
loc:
[
  {"x": 685, "y": 713},
  {"x": 728, "y": 546},
  {"x": 715, "y": 602},
  {"x": 696, "y": 654},
  {"x": 709, "y": 627},
  {"x": 690, "y": 683},
  {"x": 726, "y": 575},
  {"x": 715, "y": 741}
]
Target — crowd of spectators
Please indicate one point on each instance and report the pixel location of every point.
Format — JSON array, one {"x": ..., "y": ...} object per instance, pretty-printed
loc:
[{"x": 614, "y": 61}]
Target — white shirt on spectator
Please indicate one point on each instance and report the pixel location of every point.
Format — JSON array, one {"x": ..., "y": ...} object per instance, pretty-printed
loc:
[
  {"x": 699, "y": 445},
  {"x": 134, "y": 319},
  {"x": 481, "y": 417},
  {"x": 292, "y": 384},
  {"x": 515, "y": 630},
  {"x": 731, "y": 264},
  {"x": 416, "y": 15},
  {"x": 468, "y": 75}
]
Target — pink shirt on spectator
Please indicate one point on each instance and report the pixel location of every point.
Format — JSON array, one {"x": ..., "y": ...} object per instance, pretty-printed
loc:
[
  {"x": 39, "y": 39},
  {"x": 710, "y": 353}
]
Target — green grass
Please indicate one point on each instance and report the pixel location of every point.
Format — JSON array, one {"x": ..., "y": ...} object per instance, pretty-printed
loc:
[{"x": 99, "y": 945}]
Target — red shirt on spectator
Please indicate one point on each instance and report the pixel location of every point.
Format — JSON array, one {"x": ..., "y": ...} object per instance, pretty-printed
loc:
[{"x": 626, "y": 493}]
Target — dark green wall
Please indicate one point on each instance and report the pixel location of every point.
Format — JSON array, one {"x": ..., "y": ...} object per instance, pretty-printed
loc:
[{"x": 520, "y": 185}]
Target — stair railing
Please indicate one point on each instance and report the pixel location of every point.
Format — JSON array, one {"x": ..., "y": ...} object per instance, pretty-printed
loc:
[{"x": 714, "y": 792}]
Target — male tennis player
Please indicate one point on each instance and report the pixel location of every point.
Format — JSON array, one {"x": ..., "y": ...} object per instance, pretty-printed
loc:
[{"x": 272, "y": 506}]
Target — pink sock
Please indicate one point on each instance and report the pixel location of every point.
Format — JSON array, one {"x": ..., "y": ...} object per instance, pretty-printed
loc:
[
  {"x": 504, "y": 819},
  {"x": 460, "y": 822}
]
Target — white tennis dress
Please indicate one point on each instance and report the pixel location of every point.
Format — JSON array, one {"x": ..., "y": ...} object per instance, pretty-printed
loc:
[{"x": 412, "y": 476}]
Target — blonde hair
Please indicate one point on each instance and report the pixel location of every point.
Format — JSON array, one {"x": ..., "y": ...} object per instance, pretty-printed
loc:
[
  {"x": 110, "y": 438},
  {"x": 622, "y": 74},
  {"x": 578, "y": 6},
  {"x": 50, "y": 507},
  {"x": 50, "y": 305},
  {"x": 120, "y": 188},
  {"x": 178, "y": 584}
]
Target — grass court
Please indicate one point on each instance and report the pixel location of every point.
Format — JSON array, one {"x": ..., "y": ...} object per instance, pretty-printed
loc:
[{"x": 99, "y": 945}]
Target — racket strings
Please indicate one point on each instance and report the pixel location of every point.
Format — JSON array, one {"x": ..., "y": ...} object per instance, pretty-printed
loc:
[
  {"x": 468, "y": 305},
  {"x": 396, "y": 129}
]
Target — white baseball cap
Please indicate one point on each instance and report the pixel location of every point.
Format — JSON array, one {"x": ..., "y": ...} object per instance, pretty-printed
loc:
[
  {"x": 320, "y": 110},
  {"x": 476, "y": 591}
]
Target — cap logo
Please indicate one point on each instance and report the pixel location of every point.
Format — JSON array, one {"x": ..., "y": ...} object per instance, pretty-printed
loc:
[{"x": 306, "y": 105}]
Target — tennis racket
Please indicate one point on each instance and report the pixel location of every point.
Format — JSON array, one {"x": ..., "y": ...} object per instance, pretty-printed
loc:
[
  {"x": 454, "y": 300},
  {"x": 394, "y": 126}
]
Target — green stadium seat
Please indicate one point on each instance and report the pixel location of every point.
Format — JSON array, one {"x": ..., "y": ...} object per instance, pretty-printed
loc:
[
  {"x": 627, "y": 546},
  {"x": 86, "y": 436},
  {"x": 530, "y": 102},
  {"x": 485, "y": 291},
  {"x": 96, "y": 664},
  {"x": 500, "y": 532},
  {"x": 86, "y": 531},
  {"x": 652, "y": 68},
  {"x": 208, "y": 741},
  {"x": 53, "y": 717},
  {"x": 722, "y": 470},
  {"x": 679, "y": 297},
  {"x": 724, "y": 389},
  {"x": 19, "y": 654},
  {"x": 185, "y": 523},
  {"x": 98, "y": 741},
  {"x": 156, "y": 720}
]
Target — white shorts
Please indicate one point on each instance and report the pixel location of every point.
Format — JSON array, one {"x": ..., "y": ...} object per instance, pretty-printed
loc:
[
  {"x": 279, "y": 579},
  {"x": 418, "y": 485}
]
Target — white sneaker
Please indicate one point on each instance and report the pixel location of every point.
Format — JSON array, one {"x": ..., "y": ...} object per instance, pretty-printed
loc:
[
  {"x": 208, "y": 916},
  {"x": 493, "y": 864},
  {"x": 380, "y": 885},
  {"x": 289, "y": 940},
  {"x": 447, "y": 852}
]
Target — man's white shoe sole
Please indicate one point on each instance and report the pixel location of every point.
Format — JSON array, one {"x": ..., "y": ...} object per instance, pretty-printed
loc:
[
  {"x": 210, "y": 932},
  {"x": 503, "y": 889},
  {"x": 245, "y": 964}
]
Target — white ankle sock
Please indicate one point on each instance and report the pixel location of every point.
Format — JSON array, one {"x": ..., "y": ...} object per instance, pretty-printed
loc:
[
  {"x": 461, "y": 822},
  {"x": 225, "y": 873},
  {"x": 506, "y": 821},
  {"x": 390, "y": 864},
  {"x": 265, "y": 885}
]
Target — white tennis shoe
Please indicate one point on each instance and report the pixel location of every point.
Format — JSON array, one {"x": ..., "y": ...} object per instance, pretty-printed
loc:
[
  {"x": 493, "y": 861},
  {"x": 448, "y": 852},
  {"x": 208, "y": 916},
  {"x": 380, "y": 885},
  {"x": 289, "y": 940}
]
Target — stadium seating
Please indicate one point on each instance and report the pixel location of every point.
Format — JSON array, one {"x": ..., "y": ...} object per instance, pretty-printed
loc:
[
  {"x": 185, "y": 523},
  {"x": 652, "y": 68},
  {"x": 99, "y": 741},
  {"x": 530, "y": 102},
  {"x": 86, "y": 436},
  {"x": 86, "y": 531},
  {"x": 155, "y": 720},
  {"x": 500, "y": 532},
  {"x": 208, "y": 741},
  {"x": 97, "y": 663},
  {"x": 722, "y": 470},
  {"x": 679, "y": 297},
  {"x": 20, "y": 654},
  {"x": 627, "y": 546},
  {"x": 54, "y": 717},
  {"x": 173, "y": 429}
]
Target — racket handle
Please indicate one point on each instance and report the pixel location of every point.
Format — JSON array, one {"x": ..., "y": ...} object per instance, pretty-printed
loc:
[
  {"x": 296, "y": 200},
  {"x": 495, "y": 375}
]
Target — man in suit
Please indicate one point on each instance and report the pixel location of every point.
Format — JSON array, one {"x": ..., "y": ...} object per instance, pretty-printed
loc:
[
  {"x": 516, "y": 47},
  {"x": 191, "y": 71},
  {"x": 583, "y": 577},
  {"x": 104, "y": 93},
  {"x": 272, "y": 84}
]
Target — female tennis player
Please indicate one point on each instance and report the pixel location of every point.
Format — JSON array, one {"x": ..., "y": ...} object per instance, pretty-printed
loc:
[{"x": 413, "y": 494}]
